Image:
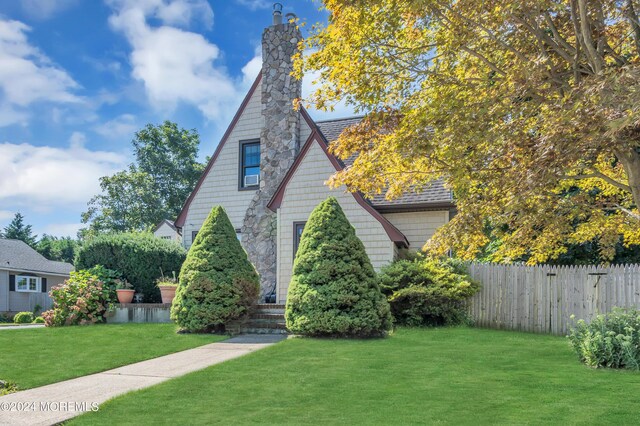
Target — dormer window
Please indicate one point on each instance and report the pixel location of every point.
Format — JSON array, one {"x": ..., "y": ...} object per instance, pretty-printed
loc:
[{"x": 249, "y": 164}]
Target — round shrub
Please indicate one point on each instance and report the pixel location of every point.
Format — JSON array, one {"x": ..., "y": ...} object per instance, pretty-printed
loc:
[
  {"x": 217, "y": 283},
  {"x": 611, "y": 340},
  {"x": 38, "y": 320},
  {"x": 427, "y": 291},
  {"x": 23, "y": 318},
  {"x": 333, "y": 290},
  {"x": 82, "y": 299},
  {"x": 139, "y": 257}
]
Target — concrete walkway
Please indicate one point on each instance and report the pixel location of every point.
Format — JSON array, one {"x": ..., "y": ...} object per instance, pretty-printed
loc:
[
  {"x": 51, "y": 404},
  {"x": 20, "y": 327}
]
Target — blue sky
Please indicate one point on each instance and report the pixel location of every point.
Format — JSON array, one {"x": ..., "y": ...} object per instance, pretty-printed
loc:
[{"x": 79, "y": 77}]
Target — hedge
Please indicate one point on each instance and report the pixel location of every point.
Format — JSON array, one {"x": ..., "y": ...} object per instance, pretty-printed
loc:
[{"x": 140, "y": 258}]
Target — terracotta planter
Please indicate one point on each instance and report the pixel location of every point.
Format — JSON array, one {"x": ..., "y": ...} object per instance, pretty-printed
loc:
[
  {"x": 167, "y": 292},
  {"x": 125, "y": 296}
]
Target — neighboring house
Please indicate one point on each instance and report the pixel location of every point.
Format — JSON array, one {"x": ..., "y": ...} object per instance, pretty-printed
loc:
[
  {"x": 26, "y": 277},
  {"x": 167, "y": 231},
  {"x": 269, "y": 172}
]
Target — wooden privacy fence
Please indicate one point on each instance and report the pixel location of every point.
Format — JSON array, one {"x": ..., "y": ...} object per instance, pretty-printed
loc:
[{"x": 543, "y": 298}]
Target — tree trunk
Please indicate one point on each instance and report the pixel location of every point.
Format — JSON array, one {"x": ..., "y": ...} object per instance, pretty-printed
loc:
[{"x": 630, "y": 160}]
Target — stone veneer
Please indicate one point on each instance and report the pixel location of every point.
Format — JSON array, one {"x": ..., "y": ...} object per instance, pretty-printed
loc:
[{"x": 279, "y": 146}]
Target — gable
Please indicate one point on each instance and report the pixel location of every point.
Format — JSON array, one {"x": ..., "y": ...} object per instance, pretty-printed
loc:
[
  {"x": 218, "y": 183},
  {"x": 244, "y": 124},
  {"x": 313, "y": 143}
]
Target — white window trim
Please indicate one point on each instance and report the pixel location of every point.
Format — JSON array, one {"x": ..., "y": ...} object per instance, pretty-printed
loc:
[{"x": 27, "y": 290}]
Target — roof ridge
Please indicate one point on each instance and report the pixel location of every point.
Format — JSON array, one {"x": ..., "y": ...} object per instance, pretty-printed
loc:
[{"x": 354, "y": 117}]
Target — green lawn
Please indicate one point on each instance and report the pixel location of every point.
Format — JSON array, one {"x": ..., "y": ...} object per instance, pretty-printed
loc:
[
  {"x": 36, "y": 357},
  {"x": 447, "y": 375}
]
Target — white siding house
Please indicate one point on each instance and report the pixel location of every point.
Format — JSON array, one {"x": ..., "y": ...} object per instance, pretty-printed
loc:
[
  {"x": 26, "y": 277},
  {"x": 384, "y": 226}
]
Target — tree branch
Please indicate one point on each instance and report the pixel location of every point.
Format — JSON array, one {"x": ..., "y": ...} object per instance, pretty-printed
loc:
[{"x": 598, "y": 175}]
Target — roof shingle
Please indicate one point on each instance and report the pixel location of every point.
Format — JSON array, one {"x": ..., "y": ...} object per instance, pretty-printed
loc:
[
  {"x": 433, "y": 194},
  {"x": 16, "y": 254}
]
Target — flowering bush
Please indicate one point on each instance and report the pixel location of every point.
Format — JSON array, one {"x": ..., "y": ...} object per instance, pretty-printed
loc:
[
  {"x": 82, "y": 299},
  {"x": 611, "y": 340}
]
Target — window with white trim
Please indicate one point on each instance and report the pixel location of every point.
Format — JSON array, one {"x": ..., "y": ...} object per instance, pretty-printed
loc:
[{"x": 27, "y": 284}]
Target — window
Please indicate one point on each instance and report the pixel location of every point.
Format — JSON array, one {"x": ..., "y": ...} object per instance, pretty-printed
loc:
[
  {"x": 194, "y": 234},
  {"x": 249, "y": 165},
  {"x": 31, "y": 284},
  {"x": 239, "y": 234},
  {"x": 298, "y": 227}
]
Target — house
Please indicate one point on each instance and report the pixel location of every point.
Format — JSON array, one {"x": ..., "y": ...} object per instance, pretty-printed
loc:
[
  {"x": 269, "y": 172},
  {"x": 166, "y": 230},
  {"x": 26, "y": 277}
]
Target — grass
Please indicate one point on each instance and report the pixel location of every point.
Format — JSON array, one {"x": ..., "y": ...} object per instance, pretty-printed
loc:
[
  {"x": 36, "y": 357},
  {"x": 446, "y": 375}
]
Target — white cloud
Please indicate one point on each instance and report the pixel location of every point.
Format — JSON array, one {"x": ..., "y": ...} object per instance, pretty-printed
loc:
[
  {"x": 28, "y": 76},
  {"x": 121, "y": 126},
  {"x": 77, "y": 140},
  {"x": 63, "y": 229},
  {"x": 255, "y": 4},
  {"x": 44, "y": 177},
  {"x": 45, "y": 9},
  {"x": 6, "y": 214},
  {"x": 251, "y": 70},
  {"x": 173, "y": 64},
  {"x": 340, "y": 109}
]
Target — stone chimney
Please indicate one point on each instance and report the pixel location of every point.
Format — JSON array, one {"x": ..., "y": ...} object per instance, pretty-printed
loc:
[{"x": 279, "y": 144}]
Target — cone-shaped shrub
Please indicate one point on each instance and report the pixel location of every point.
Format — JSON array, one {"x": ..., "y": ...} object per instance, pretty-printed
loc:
[
  {"x": 334, "y": 289},
  {"x": 217, "y": 282}
]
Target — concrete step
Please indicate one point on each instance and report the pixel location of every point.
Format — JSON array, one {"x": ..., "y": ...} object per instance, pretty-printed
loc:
[
  {"x": 275, "y": 317},
  {"x": 261, "y": 331},
  {"x": 268, "y": 309},
  {"x": 269, "y": 306},
  {"x": 256, "y": 323}
]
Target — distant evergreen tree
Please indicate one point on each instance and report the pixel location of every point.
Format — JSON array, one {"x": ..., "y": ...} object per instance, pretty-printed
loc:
[
  {"x": 17, "y": 230},
  {"x": 218, "y": 284},
  {"x": 334, "y": 289}
]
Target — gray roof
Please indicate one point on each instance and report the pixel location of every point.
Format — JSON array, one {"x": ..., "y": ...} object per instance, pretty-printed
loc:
[
  {"x": 17, "y": 255},
  {"x": 331, "y": 129},
  {"x": 434, "y": 194},
  {"x": 168, "y": 223}
]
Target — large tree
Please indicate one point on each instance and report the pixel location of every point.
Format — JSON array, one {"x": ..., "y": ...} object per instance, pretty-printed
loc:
[
  {"x": 154, "y": 187},
  {"x": 61, "y": 249},
  {"x": 17, "y": 230},
  {"x": 128, "y": 202},
  {"x": 529, "y": 110}
]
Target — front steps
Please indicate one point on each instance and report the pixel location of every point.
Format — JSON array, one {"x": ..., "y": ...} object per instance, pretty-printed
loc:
[{"x": 264, "y": 319}]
